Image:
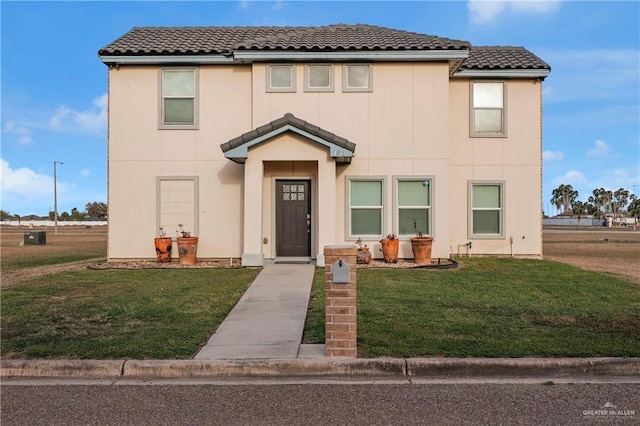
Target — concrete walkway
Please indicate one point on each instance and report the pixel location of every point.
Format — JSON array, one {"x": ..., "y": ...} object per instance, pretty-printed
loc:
[{"x": 268, "y": 321}]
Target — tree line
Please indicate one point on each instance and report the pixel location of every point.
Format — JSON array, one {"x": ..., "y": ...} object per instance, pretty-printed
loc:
[
  {"x": 93, "y": 210},
  {"x": 601, "y": 203}
]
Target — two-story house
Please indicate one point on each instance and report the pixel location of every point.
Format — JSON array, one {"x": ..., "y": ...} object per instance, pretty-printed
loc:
[{"x": 270, "y": 142}]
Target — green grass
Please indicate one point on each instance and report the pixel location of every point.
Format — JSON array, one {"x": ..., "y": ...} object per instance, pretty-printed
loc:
[
  {"x": 54, "y": 259},
  {"x": 157, "y": 314},
  {"x": 493, "y": 307}
]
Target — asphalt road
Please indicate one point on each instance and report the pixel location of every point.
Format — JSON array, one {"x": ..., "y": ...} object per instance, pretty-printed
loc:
[{"x": 340, "y": 403}]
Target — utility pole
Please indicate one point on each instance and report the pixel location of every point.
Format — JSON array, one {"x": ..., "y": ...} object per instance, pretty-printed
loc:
[{"x": 55, "y": 195}]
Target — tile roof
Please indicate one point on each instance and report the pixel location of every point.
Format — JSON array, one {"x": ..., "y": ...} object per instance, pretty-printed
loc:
[
  {"x": 177, "y": 41},
  {"x": 502, "y": 57},
  {"x": 224, "y": 40},
  {"x": 292, "y": 120}
]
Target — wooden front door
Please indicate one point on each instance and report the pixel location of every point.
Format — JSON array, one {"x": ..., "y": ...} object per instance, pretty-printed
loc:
[{"x": 293, "y": 218}]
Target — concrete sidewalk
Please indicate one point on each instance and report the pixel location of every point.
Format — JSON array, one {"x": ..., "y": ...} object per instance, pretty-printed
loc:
[{"x": 268, "y": 321}]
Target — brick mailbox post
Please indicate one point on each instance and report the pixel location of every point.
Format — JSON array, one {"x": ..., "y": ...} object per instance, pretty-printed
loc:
[{"x": 340, "y": 303}]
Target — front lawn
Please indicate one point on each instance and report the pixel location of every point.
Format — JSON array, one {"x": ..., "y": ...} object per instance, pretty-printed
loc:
[
  {"x": 160, "y": 314},
  {"x": 491, "y": 307}
]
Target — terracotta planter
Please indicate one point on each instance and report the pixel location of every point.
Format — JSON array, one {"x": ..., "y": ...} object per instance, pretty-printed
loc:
[
  {"x": 187, "y": 250},
  {"x": 163, "y": 249},
  {"x": 364, "y": 256},
  {"x": 390, "y": 250},
  {"x": 421, "y": 247}
]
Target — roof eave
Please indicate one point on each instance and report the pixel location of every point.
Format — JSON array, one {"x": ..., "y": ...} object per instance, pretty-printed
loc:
[
  {"x": 165, "y": 59},
  {"x": 239, "y": 153},
  {"x": 503, "y": 73}
]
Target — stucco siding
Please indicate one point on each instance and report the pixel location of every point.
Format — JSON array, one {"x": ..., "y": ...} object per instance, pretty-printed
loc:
[
  {"x": 139, "y": 153},
  {"x": 513, "y": 160},
  {"x": 414, "y": 122}
]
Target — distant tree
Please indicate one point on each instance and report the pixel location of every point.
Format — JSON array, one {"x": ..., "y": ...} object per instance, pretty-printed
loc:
[
  {"x": 5, "y": 215},
  {"x": 620, "y": 201},
  {"x": 579, "y": 209},
  {"x": 601, "y": 199},
  {"x": 96, "y": 209},
  {"x": 64, "y": 216},
  {"x": 563, "y": 196},
  {"x": 634, "y": 207},
  {"x": 77, "y": 215},
  {"x": 52, "y": 216}
]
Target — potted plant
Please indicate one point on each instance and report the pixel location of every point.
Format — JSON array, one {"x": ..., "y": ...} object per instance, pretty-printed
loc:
[
  {"x": 187, "y": 247},
  {"x": 390, "y": 248},
  {"x": 163, "y": 247},
  {"x": 364, "y": 255},
  {"x": 421, "y": 247}
]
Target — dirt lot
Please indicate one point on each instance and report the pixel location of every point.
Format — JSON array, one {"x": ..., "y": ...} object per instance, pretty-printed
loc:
[
  {"x": 69, "y": 249},
  {"x": 614, "y": 250}
]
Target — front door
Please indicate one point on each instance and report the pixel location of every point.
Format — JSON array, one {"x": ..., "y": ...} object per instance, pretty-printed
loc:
[{"x": 293, "y": 218}]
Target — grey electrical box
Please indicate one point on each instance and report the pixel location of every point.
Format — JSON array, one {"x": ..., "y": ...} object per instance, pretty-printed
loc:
[
  {"x": 340, "y": 272},
  {"x": 35, "y": 238}
]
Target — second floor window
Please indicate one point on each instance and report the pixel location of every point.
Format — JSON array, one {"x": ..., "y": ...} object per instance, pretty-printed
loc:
[
  {"x": 487, "y": 118},
  {"x": 356, "y": 78},
  {"x": 318, "y": 78},
  {"x": 281, "y": 78},
  {"x": 178, "y": 97}
]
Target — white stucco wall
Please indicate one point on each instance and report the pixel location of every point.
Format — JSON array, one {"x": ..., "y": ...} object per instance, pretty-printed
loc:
[{"x": 413, "y": 123}]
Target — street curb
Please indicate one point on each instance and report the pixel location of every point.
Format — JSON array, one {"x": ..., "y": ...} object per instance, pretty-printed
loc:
[
  {"x": 558, "y": 367},
  {"x": 266, "y": 368},
  {"x": 355, "y": 368},
  {"x": 74, "y": 368}
]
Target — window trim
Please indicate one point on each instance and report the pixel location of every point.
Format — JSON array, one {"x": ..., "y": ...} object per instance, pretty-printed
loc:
[
  {"x": 472, "y": 110},
  {"x": 396, "y": 206},
  {"x": 291, "y": 89},
  {"x": 501, "y": 221},
  {"x": 196, "y": 202},
  {"x": 383, "y": 180},
  {"x": 345, "y": 81},
  {"x": 196, "y": 109},
  {"x": 307, "y": 75}
]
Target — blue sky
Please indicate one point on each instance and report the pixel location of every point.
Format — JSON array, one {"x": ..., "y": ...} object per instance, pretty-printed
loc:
[{"x": 54, "y": 87}]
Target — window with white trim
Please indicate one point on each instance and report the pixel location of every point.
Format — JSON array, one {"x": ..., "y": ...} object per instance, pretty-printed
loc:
[
  {"x": 488, "y": 112},
  {"x": 281, "y": 78},
  {"x": 486, "y": 218},
  {"x": 356, "y": 78},
  {"x": 365, "y": 207},
  {"x": 177, "y": 203},
  {"x": 413, "y": 206},
  {"x": 179, "y": 101},
  {"x": 318, "y": 78}
]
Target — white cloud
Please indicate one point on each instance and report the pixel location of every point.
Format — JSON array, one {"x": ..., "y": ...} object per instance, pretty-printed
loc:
[
  {"x": 610, "y": 74},
  {"x": 278, "y": 5},
  {"x": 85, "y": 172},
  {"x": 93, "y": 120},
  {"x": 571, "y": 177},
  {"x": 600, "y": 150},
  {"x": 488, "y": 11},
  {"x": 481, "y": 12},
  {"x": 58, "y": 116},
  {"x": 24, "y": 182},
  {"x": 552, "y": 155},
  {"x": 24, "y": 135}
]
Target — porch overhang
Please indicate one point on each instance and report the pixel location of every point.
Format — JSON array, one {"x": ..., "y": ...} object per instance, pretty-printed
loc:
[{"x": 340, "y": 149}]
